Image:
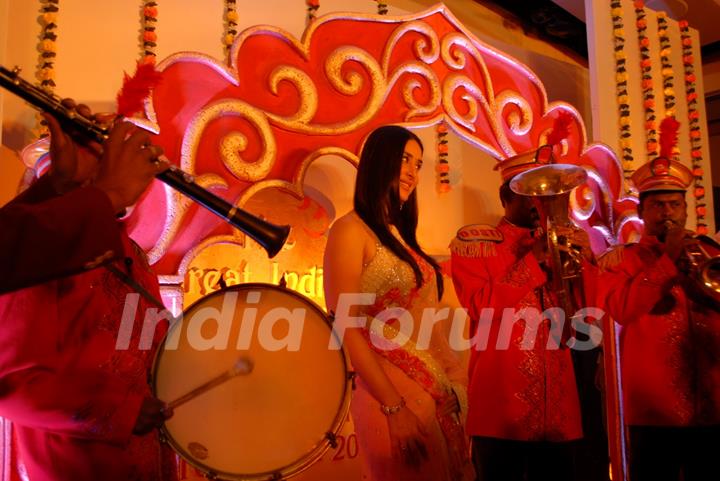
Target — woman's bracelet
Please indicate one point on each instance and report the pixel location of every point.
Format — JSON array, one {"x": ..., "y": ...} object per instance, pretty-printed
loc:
[{"x": 388, "y": 410}]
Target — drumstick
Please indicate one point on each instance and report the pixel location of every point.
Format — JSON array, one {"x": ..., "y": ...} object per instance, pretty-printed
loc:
[{"x": 242, "y": 366}]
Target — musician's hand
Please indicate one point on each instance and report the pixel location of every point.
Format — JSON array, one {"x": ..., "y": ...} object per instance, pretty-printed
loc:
[
  {"x": 580, "y": 239},
  {"x": 407, "y": 438},
  {"x": 153, "y": 414},
  {"x": 73, "y": 165},
  {"x": 129, "y": 163}
]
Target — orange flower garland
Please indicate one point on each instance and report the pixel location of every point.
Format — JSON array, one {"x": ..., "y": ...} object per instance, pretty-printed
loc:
[
  {"x": 231, "y": 19},
  {"x": 621, "y": 81},
  {"x": 443, "y": 166},
  {"x": 651, "y": 133},
  {"x": 149, "y": 36},
  {"x": 47, "y": 48},
  {"x": 382, "y": 7},
  {"x": 312, "y": 8},
  {"x": 666, "y": 65},
  {"x": 694, "y": 123}
]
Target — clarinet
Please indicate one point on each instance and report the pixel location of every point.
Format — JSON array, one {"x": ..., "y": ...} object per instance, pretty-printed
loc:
[{"x": 270, "y": 236}]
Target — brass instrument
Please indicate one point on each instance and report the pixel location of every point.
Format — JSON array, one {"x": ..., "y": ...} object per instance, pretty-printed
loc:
[
  {"x": 702, "y": 268},
  {"x": 271, "y": 237},
  {"x": 552, "y": 184}
]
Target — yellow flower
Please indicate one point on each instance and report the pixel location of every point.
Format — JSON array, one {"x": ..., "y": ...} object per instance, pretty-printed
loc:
[
  {"x": 669, "y": 92},
  {"x": 48, "y": 46},
  {"x": 670, "y": 113},
  {"x": 624, "y": 121},
  {"x": 616, "y": 12},
  {"x": 49, "y": 17},
  {"x": 619, "y": 32},
  {"x": 46, "y": 74},
  {"x": 667, "y": 72},
  {"x": 665, "y": 52},
  {"x": 662, "y": 32},
  {"x": 620, "y": 55},
  {"x": 623, "y": 99},
  {"x": 662, "y": 14},
  {"x": 232, "y": 16},
  {"x": 229, "y": 39},
  {"x": 620, "y": 77},
  {"x": 625, "y": 144}
]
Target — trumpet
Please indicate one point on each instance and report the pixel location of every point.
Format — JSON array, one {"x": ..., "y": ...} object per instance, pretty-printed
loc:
[
  {"x": 271, "y": 237},
  {"x": 552, "y": 184},
  {"x": 701, "y": 267}
]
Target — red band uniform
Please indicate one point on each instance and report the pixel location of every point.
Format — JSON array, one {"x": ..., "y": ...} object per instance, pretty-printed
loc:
[
  {"x": 72, "y": 396},
  {"x": 670, "y": 341}
]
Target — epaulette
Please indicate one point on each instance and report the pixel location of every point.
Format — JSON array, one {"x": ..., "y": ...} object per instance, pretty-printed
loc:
[
  {"x": 476, "y": 240},
  {"x": 612, "y": 257}
]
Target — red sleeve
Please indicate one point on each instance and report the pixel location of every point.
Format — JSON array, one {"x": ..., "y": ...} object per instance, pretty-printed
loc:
[
  {"x": 45, "y": 239},
  {"x": 50, "y": 378},
  {"x": 84, "y": 404},
  {"x": 629, "y": 289},
  {"x": 477, "y": 289}
]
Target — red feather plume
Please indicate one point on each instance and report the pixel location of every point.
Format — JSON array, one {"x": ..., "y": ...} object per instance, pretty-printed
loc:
[
  {"x": 561, "y": 128},
  {"x": 668, "y": 136},
  {"x": 136, "y": 89}
]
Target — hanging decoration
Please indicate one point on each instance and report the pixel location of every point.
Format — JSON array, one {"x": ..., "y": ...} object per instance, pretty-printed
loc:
[
  {"x": 149, "y": 36},
  {"x": 443, "y": 166},
  {"x": 47, "y": 49},
  {"x": 47, "y": 46},
  {"x": 666, "y": 68},
  {"x": 694, "y": 124},
  {"x": 621, "y": 82},
  {"x": 231, "y": 23},
  {"x": 312, "y": 8},
  {"x": 382, "y": 8},
  {"x": 648, "y": 91}
]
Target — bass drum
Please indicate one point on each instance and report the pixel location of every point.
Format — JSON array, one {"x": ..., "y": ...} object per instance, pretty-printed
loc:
[{"x": 273, "y": 422}]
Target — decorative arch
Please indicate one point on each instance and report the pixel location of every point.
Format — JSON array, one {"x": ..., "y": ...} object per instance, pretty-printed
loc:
[{"x": 282, "y": 102}]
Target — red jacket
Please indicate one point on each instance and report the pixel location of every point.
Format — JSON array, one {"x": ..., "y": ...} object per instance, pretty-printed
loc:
[
  {"x": 669, "y": 345},
  {"x": 514, "y": 393},
  {"x": 72, "y": 396}
]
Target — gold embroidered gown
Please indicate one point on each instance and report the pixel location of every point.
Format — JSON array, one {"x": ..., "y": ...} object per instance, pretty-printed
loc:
[{"x": 424, "y": 370}]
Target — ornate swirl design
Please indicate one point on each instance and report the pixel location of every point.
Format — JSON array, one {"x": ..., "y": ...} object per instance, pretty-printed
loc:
[{"x": 255, "y": 125}]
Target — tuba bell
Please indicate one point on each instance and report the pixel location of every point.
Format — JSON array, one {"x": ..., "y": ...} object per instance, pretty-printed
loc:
[
  {"x": 552, "y": 185},
  {"x": 701, "y": 267}
]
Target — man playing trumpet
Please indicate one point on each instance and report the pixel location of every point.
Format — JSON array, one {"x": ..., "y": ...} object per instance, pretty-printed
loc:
[
  {"x": 524, "y": 406},
  {"x": 670, "y": 340}
]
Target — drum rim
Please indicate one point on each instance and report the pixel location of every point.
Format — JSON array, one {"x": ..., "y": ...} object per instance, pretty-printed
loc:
[{"x": 312, "y": 456}]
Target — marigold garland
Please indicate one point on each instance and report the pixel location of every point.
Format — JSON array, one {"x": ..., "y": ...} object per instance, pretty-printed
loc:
[
  {"x": 651, "y": 133},
  {"x": 312, "y": 8},
  {"x": 231, "y": 19},
  {"x": 47, "y": 49},
  {"x": 694, "y": 124},
  {"x": 668, "y": 79},
  {"x": 149, "y": 36},
  {"x": 443, "y": 166},
  {"x": 382, "y": 8},
  {"x": 621, "y": 81}
]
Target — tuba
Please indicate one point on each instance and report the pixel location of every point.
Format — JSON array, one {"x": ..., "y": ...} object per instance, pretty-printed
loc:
[
  {"x": 701, "y": 267},
  {"x": 552, "y": 185}
]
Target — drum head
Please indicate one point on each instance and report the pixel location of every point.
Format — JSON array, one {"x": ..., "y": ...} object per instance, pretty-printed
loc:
[{"x": 268, "y": 423}]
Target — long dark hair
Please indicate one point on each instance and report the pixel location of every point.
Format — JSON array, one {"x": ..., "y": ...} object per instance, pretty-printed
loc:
[{"x": 377, "y": 201}]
